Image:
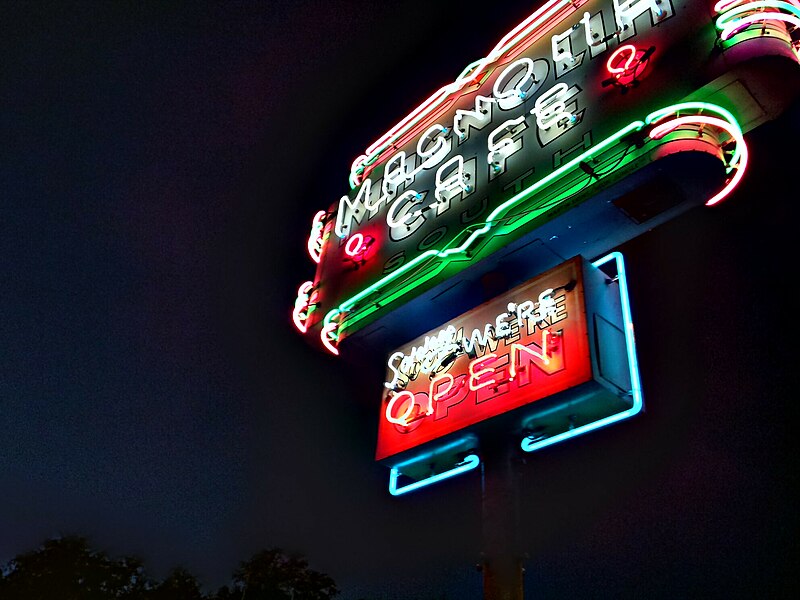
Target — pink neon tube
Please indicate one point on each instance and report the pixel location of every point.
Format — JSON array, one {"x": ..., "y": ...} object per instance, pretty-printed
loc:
[{"x": 663, "y": 129}]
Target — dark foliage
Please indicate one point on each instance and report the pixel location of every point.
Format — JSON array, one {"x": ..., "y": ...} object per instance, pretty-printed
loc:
[{"x": 67, "y": 568}]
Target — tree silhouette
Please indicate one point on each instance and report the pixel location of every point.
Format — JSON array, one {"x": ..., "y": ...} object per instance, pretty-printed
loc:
[
  {"x": 68, "y": 569},
  {"x": 272, "y": 575},
  {"x": 180, "y": 584}
]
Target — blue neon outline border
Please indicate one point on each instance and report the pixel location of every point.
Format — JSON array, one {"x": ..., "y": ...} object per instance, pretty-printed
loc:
[
  {"x": 470, "y": 462},
  {"x": 633, "y": 366}
]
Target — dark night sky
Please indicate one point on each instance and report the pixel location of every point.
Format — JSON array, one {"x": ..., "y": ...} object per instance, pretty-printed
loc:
[{"x": 159, "y": 167}]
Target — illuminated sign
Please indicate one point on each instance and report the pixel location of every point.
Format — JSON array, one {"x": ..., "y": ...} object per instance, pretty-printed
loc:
[
  {"x": 529, "y": 343},
  {"x": 547, "y": 360},
  {"x": 573, "y": 100}
]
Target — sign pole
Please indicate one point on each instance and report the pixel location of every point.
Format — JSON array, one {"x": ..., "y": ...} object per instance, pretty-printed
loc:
[{"x": 502, "y": 555}]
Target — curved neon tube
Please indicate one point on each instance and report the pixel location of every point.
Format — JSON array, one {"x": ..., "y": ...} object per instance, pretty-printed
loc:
[
  {"x": 733, "y": 28},
  {"x": 724, "y": 5},
  {"x": 405, "y": 418},
  {"x": 299, "y": 314},
  {"x": 539, "y": 19},
  {"x": 488, "y": 225},
  {"x": 529, "y": 445},
  {"x": 315, "y": 241},
  {"x": 354, "y": 245},
  {"x": 470, "y": 462},
  {"x": 738, "y": 162},
  {"x": 734, "y": 9},
  {"x": 660, "y": 131},
  {"x": 621, "y": 70},
  {"x": 328, "y": 336},
  {"x": 736, "y": 16},
  {"x": 675, "y": 109}
]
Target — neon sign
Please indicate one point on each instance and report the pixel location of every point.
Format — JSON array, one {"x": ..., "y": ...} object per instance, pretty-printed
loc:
[
  {"x": 559, "y": 366},
  {"x": 580, "y": 95},
  {"x": 528, "y": 344}
]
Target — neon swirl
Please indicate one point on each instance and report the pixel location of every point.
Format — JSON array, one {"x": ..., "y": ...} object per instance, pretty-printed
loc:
[
  {"x": 537, "y": 23},
  {"x": 315, "y": 239},
  {"x": 405, "y": 418},
  {"x": 631, "y": 50},
  {"x": 354, "y": 245},
  {"x": 302, "y": 304},
  {"x": 738, "y": 162},
  {"x": 736, "y": 15}
]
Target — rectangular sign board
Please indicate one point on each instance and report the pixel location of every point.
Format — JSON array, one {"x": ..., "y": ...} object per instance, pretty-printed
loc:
[{"x": 547, "y": 356}]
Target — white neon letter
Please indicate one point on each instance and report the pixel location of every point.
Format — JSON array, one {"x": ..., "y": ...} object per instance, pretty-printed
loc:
[
  {"x": 455, "y": 182},
  {"x": 348, "y": 209},
  {"x": 476, "y": 374},
  {"x": 404, "y": 419},
  {"x": 475, "y": 341},
  {"x": 345, "y": 203},
  {"x": 397, "y": 376},
  {"x": 525, "y": 311},
  {"x": 473, "y": 118},
  {"x": 435, "y": 393},
  {"x": 505, "y": 145},
  {"x": 625, "y": 11},
  {"x": 518, "y": 349},
  {"x": 560, "y": 52},
  {"x": 516, "y": 94},
  {"x": 432, "y": 154},
  {"x": 551, "y": 106},
  {"x": 391, "y": 219},
  {"x": 393, "y": 178},
  {"x": 547, "y": 306},
  {"x": 502, "y": 328}
]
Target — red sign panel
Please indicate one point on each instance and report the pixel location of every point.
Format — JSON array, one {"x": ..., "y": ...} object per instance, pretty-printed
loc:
[{"x": 527, "y": 344}]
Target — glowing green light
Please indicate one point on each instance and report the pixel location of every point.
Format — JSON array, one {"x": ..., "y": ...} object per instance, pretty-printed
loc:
[
  {"x": 488, "y": 225},
  {"x": 655, "y": 117},
  {"x": 494, "y": 218}
]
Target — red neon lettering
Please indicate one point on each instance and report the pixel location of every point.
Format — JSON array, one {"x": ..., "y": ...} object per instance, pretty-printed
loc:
[
  {"x": 455, "y": 393},
  {"x": 480, "y": 376}
]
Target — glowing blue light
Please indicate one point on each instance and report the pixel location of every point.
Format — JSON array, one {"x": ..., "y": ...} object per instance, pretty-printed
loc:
[
  {"x": 529, "y": 444},
  {"x": 470, "y": 462}
]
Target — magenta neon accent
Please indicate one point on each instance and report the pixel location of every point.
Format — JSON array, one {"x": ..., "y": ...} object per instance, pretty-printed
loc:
[
  {"x": 661, "y": 130},
  {"x": 315, "y": 239},
  {"x": 328, "y": 339},
  {"x": 299, "y": 312},
  {"x": 354, "y": 245},
  {"x": 620, "y": 70}
]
